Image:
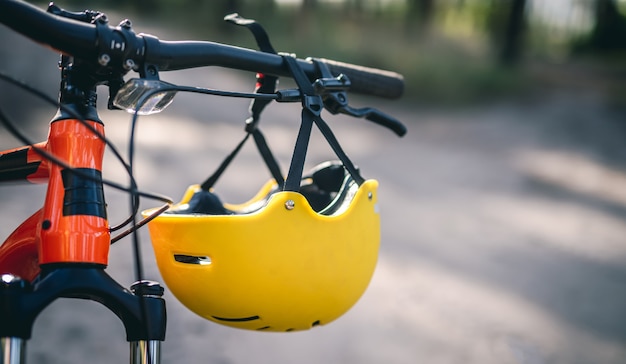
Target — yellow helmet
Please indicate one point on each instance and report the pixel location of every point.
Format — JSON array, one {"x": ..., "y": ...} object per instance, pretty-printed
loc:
[{"x": 283, "y": 261}]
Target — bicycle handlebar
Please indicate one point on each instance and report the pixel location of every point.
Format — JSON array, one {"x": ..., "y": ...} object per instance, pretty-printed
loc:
[{"x": 120, "y": 44}]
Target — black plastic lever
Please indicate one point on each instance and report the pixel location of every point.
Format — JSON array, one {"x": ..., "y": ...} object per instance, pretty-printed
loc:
[{"x": 378, "y": 117}]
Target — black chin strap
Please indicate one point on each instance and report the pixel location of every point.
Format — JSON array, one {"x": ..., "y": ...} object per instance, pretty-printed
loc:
[{"x": 312, "y": 106}]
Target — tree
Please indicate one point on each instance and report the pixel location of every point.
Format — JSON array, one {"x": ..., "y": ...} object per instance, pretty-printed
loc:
[
  {"x": 309, "y": 5},
  {"x": 609, "y": 31},
  {"x": 419, "y": 15},
  {"x": 507, "y": 23},
  {"x": 513, "y": 42}
]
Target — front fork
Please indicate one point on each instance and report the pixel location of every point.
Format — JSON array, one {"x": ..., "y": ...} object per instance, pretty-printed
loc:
[
  {"x": 141, "y": 309},
  {"x": 145, "y": 352},
  {"x": 13, "y": 351}
]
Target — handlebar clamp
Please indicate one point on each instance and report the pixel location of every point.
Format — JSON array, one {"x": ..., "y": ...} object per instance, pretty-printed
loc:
[{"x": 119, "y": 49}]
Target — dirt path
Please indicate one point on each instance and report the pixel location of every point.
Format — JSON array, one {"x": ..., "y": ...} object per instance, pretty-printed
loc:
[{"x": 503, "y": 234}]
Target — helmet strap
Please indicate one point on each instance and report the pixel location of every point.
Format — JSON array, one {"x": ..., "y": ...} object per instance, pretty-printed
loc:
[
  {"x": 210, "y": 182},
  {"x": 262, "y": 146},
  {"x": 312, "y": 106},
  {"x": 265, "y": 84}
]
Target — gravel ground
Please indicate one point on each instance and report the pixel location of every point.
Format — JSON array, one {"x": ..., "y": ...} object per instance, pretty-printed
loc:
[{"x": 502, "y": 230}]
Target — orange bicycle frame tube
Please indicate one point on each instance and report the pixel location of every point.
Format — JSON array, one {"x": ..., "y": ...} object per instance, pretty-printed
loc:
[{"x": 72, "y": 226}]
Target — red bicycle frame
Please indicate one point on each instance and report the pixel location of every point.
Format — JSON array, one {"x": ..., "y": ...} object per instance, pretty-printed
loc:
[{"x": 71, "y": 227}]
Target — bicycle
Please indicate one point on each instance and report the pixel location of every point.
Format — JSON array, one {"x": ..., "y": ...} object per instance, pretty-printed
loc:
[{"x": 62, "y": 249}]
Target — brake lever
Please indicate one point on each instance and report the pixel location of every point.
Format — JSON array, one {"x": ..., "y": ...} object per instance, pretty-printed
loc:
[
  {"x": 337, "y": 103},
  {"x": 376, "y": 116},
  {"x": 333, "y": 91}
]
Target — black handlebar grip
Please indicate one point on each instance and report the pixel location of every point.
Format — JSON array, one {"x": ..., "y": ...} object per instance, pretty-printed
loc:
[{"x": 369, "y": 81}]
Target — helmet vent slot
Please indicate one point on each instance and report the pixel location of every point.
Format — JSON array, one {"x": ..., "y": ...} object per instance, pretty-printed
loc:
[{"x": 192, "y": 259}]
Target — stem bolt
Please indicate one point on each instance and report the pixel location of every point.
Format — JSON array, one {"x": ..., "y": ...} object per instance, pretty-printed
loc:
[
  {"x": 129, "y": 64},
  {"x": 104, "y": 59}
]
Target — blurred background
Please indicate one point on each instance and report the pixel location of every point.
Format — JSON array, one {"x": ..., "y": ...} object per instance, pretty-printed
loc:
[{"x": 503, "y": 208}]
